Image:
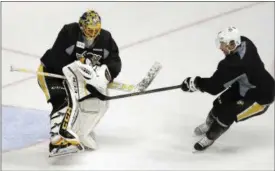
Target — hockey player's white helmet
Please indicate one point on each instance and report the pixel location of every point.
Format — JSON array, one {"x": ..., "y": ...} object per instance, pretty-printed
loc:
[{"x": 229, "y": 36}]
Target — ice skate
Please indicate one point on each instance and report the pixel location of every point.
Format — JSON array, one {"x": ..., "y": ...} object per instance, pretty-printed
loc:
[
  {"x": 64, "y": 147},
  {"x": 203, "y": 144}
]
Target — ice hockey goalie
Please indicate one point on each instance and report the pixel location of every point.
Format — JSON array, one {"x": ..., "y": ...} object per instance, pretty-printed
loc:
[{"x": 86, "y": 55}]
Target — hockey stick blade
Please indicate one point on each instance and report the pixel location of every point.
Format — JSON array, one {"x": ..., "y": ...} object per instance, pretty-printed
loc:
[
  {"x": 143, "y": 84},
  {"x": 102, "y": 97},
  {"x": 150, "y": 76}
]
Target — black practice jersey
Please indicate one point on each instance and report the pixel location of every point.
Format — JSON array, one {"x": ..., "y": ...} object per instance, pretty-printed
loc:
[
  {"x": 245, "y": 69},
  {"x": 70, "y": 45}
]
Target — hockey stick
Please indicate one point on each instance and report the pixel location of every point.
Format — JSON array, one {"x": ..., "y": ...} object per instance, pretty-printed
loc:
[
  {"x": 141, "y": 86},
  {"x": 12, "y": 69},
  {"x": 105, "y": 98}
]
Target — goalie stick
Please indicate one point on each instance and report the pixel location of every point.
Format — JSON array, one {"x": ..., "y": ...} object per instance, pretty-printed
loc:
[{"x": 141, "y": 86}]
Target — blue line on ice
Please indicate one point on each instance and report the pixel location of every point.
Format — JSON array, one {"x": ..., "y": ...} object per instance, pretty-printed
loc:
[{"x": 23, "y": 127}]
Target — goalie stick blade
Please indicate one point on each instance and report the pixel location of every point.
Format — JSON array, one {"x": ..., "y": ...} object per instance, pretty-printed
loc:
[
  {"x": 142, "y": 85},
  {"x": 150, "y": 76}
]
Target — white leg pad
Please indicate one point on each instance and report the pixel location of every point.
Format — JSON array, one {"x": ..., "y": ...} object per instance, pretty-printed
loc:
[{"x": 91, "y": 111}]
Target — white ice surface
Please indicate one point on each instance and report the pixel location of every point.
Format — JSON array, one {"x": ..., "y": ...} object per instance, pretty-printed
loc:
[{"x": 152, "y": 131}]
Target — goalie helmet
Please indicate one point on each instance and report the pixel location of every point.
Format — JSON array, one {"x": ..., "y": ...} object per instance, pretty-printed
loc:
[
  {"x": 90, "y": 24},
  {"x": 228, "y": 36}
]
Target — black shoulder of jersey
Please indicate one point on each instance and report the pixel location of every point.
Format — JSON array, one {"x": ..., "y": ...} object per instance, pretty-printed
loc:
[
  {"x": 105, "y": 32},
  {"x": 105, "y": 35},
  {"x": 244, "y": 38},
  {"x": 249, "y": 43},
  {"x": 73, "y": 25},
  {"x": 73, "y": 30}
]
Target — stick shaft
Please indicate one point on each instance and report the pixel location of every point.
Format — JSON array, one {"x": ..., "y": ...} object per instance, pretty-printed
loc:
[
  {"x": 37, "y": 72},
  {"x": 144, "y": 92},
  {"x": 105, "y": 98}
]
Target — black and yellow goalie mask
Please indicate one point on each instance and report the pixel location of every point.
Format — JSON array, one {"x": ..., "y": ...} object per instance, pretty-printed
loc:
[{"x": 90, "y": 24}]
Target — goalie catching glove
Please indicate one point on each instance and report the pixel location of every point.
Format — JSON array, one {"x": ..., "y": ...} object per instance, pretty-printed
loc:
[{"x": 97, "y": 78}]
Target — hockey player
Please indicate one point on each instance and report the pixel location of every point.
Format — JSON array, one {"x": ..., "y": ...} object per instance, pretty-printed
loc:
[
  {"x": 249, "y": 88},
  {"x": 86, "y": 55}
]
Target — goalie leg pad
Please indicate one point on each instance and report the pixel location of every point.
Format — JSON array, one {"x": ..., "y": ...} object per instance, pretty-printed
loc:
[
  {"x": 91, "y": 111},
  {"x": 61, "y": 142}
]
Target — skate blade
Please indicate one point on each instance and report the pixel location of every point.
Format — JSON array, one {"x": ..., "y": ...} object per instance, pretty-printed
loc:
[
  {"x": 200, "y": 151},
  {"x": 197, "y": 152},
  {"x": 90, "y": 149},
  {"x": 67, "y": 152},
  {"x": 63, "y": 154}
]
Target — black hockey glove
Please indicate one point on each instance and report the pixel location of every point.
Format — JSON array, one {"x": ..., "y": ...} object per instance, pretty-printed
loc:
[{"x": 189, "y": 85}]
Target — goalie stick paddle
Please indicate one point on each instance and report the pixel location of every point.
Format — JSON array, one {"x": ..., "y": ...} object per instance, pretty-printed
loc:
[{"x": 102, "y": 97}]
